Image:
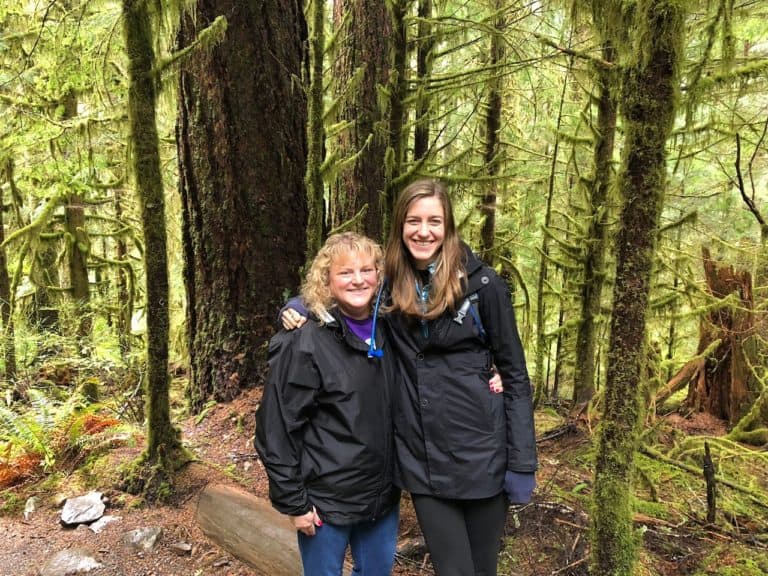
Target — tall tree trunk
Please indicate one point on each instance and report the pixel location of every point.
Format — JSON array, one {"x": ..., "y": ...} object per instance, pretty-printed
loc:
[
  {"x": 44, "y": 314},
  {"x": 315, "y": 133},
  {"x": 649, "y": 101},
  {"x": 125, "y": 287},
  {"x": 241, "y": 136},
  {"x": 672, "y": 332},
  {"x": 361, "y": 70},
  {"x": 6, "y": 312},
  {"x": 162, "y": 437},
  {"x": 424, "y": 55},
  {"x": 595, "y": 243},
  {"x": 492, "y": 136},
  {"x": 560, "y": 348},
  {"x": 77, "y": 254},
  {"x": 45, "y": 277},
  {"x": 542, "y": 346},
  {"x": 397, "y": 96}
]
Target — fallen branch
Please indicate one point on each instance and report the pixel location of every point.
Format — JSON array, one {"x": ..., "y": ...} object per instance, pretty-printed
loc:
[
  {"x": 692, "y": 369},
  {"x": 679, "y": 380},
  {"x": 568, "y": 567},
  {"x": 568, "y": 428},
  {"x": 758, "y": 497}
]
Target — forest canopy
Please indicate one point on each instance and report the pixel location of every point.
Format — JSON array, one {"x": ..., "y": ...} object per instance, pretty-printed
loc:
[{"x": 609, "y": 159}]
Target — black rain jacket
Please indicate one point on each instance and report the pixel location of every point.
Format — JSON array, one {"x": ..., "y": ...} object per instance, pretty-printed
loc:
[
  {"x": 324, "y": 426},
  {"x": 455, "y": 438}
]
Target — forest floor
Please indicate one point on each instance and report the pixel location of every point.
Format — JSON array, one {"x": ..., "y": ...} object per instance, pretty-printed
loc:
[{"x": 547, "y": 537}]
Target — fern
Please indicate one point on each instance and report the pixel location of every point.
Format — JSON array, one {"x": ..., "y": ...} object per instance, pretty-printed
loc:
[
  {"x": 44, "y": 429},
  {"x": 26, "y": 435}
]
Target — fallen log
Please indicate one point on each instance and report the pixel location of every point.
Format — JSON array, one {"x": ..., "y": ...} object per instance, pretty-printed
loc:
[{"x": 251, "y": 530}]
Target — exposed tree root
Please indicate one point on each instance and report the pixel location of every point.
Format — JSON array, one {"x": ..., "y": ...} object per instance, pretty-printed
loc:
[{"x": 153, "y": 477}]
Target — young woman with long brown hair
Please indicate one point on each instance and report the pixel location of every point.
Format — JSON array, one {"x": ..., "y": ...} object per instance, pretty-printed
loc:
[{"x": 460, "y": 445}]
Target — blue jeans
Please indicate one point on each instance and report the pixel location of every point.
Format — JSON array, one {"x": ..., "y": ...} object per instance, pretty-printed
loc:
[{"x": 372, "y": 543}]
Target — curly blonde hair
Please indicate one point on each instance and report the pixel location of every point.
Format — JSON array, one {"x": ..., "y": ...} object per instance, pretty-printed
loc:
[{"x": 315, "y": 291}]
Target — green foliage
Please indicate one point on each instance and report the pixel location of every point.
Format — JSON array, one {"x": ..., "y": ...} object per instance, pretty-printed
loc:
[
  {"x": 210, "y": 405},
  {"x": 11, "y": 503},
  {"x": 63, "y": 90},
  {"x": 733, "y": 561},
  {"x": 31, "y": 433}
]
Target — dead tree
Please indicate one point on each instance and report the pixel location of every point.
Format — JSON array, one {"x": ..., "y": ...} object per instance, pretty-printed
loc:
[{"x": 727, "y": 387}]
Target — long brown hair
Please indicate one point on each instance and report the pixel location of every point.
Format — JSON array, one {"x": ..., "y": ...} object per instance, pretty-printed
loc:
[{"x": 399, "y": 268}]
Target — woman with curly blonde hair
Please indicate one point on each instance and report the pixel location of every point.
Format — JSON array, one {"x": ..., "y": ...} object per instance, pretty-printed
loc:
[
  {"x": 324, "y": 429},
  {"x": 316, "y": 290}
]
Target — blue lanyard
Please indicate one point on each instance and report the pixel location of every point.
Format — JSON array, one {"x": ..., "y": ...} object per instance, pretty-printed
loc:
[
  {"x": 374, "y": 352},
  {"x": 423, "y": 293}
]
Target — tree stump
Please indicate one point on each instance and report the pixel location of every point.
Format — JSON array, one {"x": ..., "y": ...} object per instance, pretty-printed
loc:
[{"x": 727, "y": 388}]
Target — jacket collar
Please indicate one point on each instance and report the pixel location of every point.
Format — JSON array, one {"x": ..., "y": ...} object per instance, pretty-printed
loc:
[
  {"x": 334, "y": 320},
  {"x": 477, "y": 275}
]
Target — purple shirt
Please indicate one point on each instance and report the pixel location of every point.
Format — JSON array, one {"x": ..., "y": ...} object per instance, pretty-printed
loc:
[{"x": 361, "y": 328}]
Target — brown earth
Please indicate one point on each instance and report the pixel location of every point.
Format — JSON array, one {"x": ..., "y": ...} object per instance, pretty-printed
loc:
[
  {"x": 222, "y": 442},
  {"x": 547, "y": 537}
]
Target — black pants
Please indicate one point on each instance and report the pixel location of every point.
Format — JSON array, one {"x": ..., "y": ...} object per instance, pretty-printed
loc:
[{"x": 463, "y": 536}]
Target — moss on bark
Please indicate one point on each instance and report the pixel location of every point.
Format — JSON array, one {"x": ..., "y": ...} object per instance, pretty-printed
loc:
[
  {"x": 163, "y": 442},
  {"x": 648, "y": 100}
]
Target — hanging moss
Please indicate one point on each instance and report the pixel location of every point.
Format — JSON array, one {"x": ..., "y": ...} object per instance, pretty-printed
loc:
[{"x": 648, "y": 101}]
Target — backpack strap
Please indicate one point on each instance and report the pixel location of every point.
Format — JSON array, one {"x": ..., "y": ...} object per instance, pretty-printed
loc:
[
  {"x": 475, "y": 311},
  {"x": 470, "y": 306}
]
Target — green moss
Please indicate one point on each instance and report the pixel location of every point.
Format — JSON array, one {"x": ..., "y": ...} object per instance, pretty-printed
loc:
[
  {"x": 509, "y": 560},
  {"x": 10, "y": 503},
  {"x": 734, "y": 560},
  {"x": 660, "y": 510},
  {"x": 547, "y": 418}
]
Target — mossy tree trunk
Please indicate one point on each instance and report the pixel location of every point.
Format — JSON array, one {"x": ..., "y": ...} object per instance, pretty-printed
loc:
[
  {"x": 77, "y": 243},
  {"x": 361, "y": 69},
  {"x": 241, "y": 137},
  {"x": 315, "y": 133},
  {"x": 77, "y": 265},
  {"x": 492, "y": 137},
  {"x": 425, "y": 45},
  {"x": 45, "y": 276},
  {"x": 124, "y": 283},
  {"x": 6, "y": 312},
  {"x": 595, "y": 244},
  {"x": 162, "y": 438},
  {"x": 397, "y": 111},
  {"x": 543, "y": 344},
  {"x": 752, "y": 428},
  {"x": 648, "y": 104},
  {"x": 44, "y": 313}
]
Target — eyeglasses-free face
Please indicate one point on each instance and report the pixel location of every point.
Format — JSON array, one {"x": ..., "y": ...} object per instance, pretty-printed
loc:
[
  {"x": 352, "y": 280},
  {"x": 424, "y": 230}
]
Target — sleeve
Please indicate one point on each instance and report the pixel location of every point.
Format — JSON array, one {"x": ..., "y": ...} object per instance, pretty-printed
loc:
[
  {"x": 508, "y": 355},
  {"x": 286, "y": 407},
  {"x": 297, "y": 304}
]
